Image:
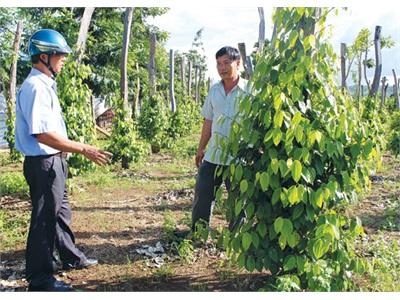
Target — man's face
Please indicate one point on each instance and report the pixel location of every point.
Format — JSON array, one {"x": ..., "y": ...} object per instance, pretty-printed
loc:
[
  {"x": 56, "y": 61},
  {"x": 227, "y": 68}
]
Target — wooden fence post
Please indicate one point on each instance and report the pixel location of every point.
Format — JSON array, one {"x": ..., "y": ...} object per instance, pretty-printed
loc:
[
  {"x": 171, "y": 81},
  {"x": 378, "y": 62}
]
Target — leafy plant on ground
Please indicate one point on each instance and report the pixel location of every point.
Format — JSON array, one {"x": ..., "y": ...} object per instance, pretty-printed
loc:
[
  {"x": 13, "y": 229},
  {"x": 75, "y": 99},
  {"x": 124, "y": 144},
  {"x": 394, "y": 134},
  {"x": 301, "y": 152}
]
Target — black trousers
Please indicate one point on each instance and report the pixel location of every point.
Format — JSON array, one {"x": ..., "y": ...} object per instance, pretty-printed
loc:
[
  {"x": 50, "y": 218},
  {"x": 207, "y": 183}
]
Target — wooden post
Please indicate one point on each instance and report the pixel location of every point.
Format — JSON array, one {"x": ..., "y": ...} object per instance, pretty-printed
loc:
[
  {"x": 124, "y": 61},
  {"x": 182, "y": 73},
  {"x": 196, "y": 82},
  {"x": 152, "y": 64},
  {"x": 383, "y": 90},
  {"x": 11, "y": 99},
  {"x": 246, "y": 60},
  {"x": 171, "y": 80},
  {"x": 261, "y": 30},
  {"x": 83, "y": 32},
  {"x": 189, "y": 86},
  {"x": 136, "y": 104},
  {"x": 396, "y": 89},
  {"x": 378, "y": 62},
  {"x": 343, "y": 52},
  {"x": 208, "y": 84}
]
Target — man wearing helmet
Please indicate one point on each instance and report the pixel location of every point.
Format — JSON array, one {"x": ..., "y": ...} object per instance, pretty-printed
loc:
[{"x": 41, "y": 135}]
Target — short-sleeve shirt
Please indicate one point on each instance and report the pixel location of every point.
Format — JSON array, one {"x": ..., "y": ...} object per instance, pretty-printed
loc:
[
  {"x": 38, "y": 111},
  {"x": 221, "y": 110}
]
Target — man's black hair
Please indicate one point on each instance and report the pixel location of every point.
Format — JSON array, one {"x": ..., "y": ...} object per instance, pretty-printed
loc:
[
  {"x": 35, "y": 58},
  {"x": 232, "y": 53}
]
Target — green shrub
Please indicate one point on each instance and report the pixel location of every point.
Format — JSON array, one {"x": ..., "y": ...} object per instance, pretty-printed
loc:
[
  {"x": 394, "y": 134},
  {"x": 300, "y": 150},
  {"x": 124, "y": 144}
]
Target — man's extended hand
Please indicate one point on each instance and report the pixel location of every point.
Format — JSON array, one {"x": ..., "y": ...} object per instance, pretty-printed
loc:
[
  {"x": 96, "y": 155},
  {"x": 199, "y": 157}
]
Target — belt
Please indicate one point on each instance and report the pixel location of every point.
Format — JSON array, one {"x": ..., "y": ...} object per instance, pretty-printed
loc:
[{"x": 58, "y": 154}]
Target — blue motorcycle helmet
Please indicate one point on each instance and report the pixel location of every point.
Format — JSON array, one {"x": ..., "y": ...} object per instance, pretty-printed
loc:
[{"x": 50, "y": 42}]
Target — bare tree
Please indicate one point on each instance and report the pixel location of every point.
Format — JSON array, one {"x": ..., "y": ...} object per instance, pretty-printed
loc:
[
  {"x": 182, "y": 74},
  {"x": 189, "y": 85},
  {"x": 248, "y": 67},
  {"x": 343, "y": 50},
  {"x": 384, "y": 89}
]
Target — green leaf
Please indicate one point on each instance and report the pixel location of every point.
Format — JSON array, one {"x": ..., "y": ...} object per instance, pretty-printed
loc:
[
  {"x": 290, "y": 263},
  {"x": 277, "y": 136},
  {"x": 246, "y": 241},
  {"x": 293, "y": 239},
  {"x": 262, "y": 229},
  {"x": 275, "y": 165},
  {"x": 264, "y": 181},
  {"x": 298, "y": 211},
  {"x": 319, "y": 248},
  {"x": 250, "y": 210},
  {"x": 250, "y": 264},
  {"x": 267, "y": 119},
  {"x": 283, "y": 168},
  {"x": 293, "y": 195},
  {"x": 278, "y": 119},
  {"x": 282, "y": 241},
  {"x": 238, "y": 173},
  {"x": 276, "y": 196},
  {"x": 255, "y": 239},
  {"x": 243, "y": 186},
  {"x": 287, "y": 228},
  {"x": 238, "y": 207},
  {"x": 278, "y": 224},
  {"x": 296, "y": 170}
]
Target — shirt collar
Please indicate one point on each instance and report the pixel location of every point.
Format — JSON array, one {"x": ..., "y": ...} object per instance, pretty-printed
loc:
[
  {"x": 241, "y": 84},
  {"x": 43, "y": 77}
]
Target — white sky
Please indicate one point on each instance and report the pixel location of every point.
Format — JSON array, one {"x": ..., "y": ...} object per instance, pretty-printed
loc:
[
  {"x": 230, "y": 25},
  {"x": 227, "y": 22}
]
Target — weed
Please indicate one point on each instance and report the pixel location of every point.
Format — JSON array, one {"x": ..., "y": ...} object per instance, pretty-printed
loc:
[
  {"x": 169, "y": 225},
  {"x": 13, "y": 184},
  {"x": 185, "y": 251},
  {"x": 163, "y": 272},
  {"x": 13, "y": 229}
]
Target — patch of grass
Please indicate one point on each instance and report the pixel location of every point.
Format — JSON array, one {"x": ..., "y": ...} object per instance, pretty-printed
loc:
[
  {"x": 169, "y": 225},
  {"x": 391, "y": 220},
  {"x": 13, "y": 229},
  {"x": 186, "y": 251},
  {"x": 13, "y": 184},
  {"x": 385, "y": 274},
  {"x": 163, "y": 272}
]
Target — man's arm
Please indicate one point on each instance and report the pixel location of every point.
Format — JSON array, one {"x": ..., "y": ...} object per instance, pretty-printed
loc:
[
  {"x": 205, "y": 137},
  {"x": 57, "y": 141}
]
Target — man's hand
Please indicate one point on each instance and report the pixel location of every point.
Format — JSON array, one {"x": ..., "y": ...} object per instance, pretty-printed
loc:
[
  {"x": 96, "y": 155},
  {"x": 199, "y": 157}
]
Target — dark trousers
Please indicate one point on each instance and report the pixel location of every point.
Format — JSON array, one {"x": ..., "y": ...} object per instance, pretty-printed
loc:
[
  {"x": 207, "y": 183},
  {"x": 50, "y": 218}
]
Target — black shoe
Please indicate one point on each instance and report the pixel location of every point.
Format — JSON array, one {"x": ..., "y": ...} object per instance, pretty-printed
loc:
[
  {"x": 53, "y": 286},
  {"x": 89, "y": 262}
]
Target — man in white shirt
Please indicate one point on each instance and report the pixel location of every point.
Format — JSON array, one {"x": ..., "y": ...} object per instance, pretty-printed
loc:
[
  {"x": 41, "y": 135},
  {"x": 219, "y": 109}
]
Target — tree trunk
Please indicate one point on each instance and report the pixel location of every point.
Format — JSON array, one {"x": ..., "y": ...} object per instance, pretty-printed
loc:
[
  {"x": 261, "y": 30},
  {"x": 152, "y": 64},
  {"x": 171, "y": 80},
  {"x": 395, "y": 89},
  {"x": 343, "y": 52},
  {"x": 208, "y": 84},
  {"x": 359, "y": 72},
  {"x": 83, "y": 32},
  {"x": 378, "y": 62},
  {"x": 365, "y": 70},
  {"x": 189, "y": 86}
]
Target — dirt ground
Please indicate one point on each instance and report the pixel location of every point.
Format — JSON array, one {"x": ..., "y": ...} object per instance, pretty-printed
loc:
[{"x": 114, "y": 218}]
